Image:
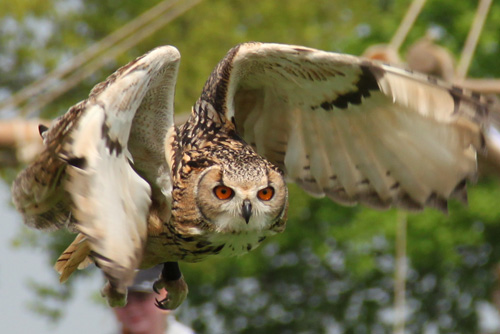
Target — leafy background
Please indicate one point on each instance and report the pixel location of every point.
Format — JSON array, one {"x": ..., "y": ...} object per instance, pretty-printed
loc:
[{"x": 332, "y": 271}]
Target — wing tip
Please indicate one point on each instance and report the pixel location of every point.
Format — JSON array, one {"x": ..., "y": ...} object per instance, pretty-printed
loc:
[{"x": 167, "y": 52}]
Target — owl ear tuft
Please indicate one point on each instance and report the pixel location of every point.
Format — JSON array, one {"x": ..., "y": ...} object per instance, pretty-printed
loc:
[{"x": 42, "y": 130}]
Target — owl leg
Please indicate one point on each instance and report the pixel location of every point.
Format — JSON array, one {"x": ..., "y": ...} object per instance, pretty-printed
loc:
[
  {"x": 171, "y": 279},
  {"x": 113, "y": 296}
]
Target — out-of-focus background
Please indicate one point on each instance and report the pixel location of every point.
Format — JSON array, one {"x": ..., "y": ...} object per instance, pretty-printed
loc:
[{"x": 335, "y": 269}]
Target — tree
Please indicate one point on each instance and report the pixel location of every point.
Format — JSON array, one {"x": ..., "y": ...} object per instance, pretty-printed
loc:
[{"x": 332, "y": 270}]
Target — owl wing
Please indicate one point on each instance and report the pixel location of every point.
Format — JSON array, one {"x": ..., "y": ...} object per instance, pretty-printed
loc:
[
  {"x": 104, "y": 164},
  {"x": 348, "y": 128}
]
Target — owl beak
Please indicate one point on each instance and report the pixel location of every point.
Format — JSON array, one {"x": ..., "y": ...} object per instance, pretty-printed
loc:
[{"x": 246, "y": 210}]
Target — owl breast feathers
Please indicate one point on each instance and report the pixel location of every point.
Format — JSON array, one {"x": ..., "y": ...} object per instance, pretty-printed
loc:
[{"x": 140, "y": 190}]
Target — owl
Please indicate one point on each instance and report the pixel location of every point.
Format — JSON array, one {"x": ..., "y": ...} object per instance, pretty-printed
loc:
[{"x": 140, "y": 190}]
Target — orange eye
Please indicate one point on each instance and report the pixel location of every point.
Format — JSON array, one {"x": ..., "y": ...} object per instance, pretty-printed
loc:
[
  {"x": 266, "y": 194},
  {"x": 223, "y": 192}
]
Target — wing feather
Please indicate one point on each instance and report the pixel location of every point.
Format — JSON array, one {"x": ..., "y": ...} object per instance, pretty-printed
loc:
[
  {"x": 344, "y": 173},
  {"x": 110, "y": 150},
  {"x": 320, "y": 165},
  {"x": 352, "y": 129}
]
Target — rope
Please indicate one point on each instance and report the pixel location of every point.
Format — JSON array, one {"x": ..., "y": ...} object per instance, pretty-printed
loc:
[
  {"x": 91, "y": 67},
  {"x": 405, "y": 25},
  {"x": 400, "y": 274},
  {"x": 135, "y": 29},
  {"x": 472, "y": 39},
  {"x": 401, "y": 266}
]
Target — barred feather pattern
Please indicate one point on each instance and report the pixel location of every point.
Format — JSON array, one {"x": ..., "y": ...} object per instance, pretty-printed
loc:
[
  {"x": 140, "y": 191},
  {"x": 76, "y": 256}
]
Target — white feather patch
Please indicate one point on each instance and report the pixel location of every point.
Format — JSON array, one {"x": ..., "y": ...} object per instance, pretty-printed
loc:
[{"x": 112, "y": 201}]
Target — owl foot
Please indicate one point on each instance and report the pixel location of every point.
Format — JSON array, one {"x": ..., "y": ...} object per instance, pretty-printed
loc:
[
  {"x": 171, "y": 279},
  {"x": 113, "y": 297}
]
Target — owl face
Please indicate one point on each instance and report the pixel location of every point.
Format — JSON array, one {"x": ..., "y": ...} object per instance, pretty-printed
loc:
[{"x": 237, "y": 200}]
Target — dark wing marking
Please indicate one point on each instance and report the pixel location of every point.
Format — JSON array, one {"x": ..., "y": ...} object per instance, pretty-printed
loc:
[{"x": 348, "y": 128}]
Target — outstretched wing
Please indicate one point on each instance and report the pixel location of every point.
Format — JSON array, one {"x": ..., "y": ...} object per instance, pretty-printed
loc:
[
  {"x": 348, "y": 128},
  {"x": 107, "y": 154}
]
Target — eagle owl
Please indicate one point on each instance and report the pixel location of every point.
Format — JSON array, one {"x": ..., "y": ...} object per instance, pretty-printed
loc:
[{"x": 140, "y": 190}]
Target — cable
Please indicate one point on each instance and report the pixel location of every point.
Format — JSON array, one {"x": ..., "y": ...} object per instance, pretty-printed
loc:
[
  {"x": 85, "y": 71},
  {"x": 405, "y": 25},
  {"x": 472, "y": 39},
  {"x": 130, "y": 28}
]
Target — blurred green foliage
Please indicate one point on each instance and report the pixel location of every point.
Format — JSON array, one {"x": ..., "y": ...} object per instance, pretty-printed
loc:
[{"x": 332, "y": 270}]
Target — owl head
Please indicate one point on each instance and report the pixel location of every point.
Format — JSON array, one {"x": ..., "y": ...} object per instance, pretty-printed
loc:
[{"x": 240, "y": 196}]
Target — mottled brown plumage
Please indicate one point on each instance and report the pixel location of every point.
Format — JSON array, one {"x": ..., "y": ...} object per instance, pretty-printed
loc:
[{"x": 141, "y": 191}]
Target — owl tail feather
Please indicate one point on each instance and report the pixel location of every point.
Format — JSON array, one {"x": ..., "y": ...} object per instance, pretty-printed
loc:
[{"x": 76, "y": 256}]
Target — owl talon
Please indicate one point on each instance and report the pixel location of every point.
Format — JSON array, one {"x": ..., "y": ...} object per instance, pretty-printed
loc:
[
  {"x": 160, "y": 305},
  {"x": 177, "y": 291},
  {"x": 155, "y": 289},
  {"x": 173, "y": 282}
]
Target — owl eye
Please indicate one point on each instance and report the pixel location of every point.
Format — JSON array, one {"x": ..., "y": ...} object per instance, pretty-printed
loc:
[
  {"x": 223, "y": 192},
  {"x": 266, "y": 194}
]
